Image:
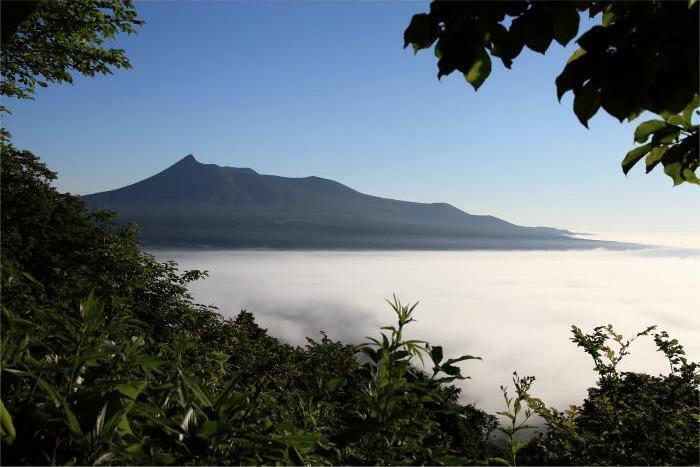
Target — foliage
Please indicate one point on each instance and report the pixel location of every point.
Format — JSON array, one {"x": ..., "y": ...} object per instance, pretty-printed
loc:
[
  {"x": 642, "y": 57},
  {"x": 58, "y": 38},
  {"x": 679, "y": 156},
  {"x": 402, "y": 417},
  {"x": 629, "y": 418},
  {"x": 519, "y": 401},
  {"x": 106, "y": 359}
]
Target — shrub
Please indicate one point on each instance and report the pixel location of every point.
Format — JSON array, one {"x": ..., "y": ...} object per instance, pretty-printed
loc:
[{"x": 628, "y": 418}]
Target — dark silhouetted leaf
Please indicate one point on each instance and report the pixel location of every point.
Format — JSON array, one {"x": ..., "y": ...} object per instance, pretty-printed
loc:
[
  {"x": 436, "y": 354},
  {"x": 574, "y": 74},
  {"x": 535, "y": 28},
  {"x": 565, "y": 21},
  {"x": 422, "y": 32}
]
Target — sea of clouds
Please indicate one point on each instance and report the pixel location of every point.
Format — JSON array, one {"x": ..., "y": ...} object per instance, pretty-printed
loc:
[{"x": 512, "y": 308}]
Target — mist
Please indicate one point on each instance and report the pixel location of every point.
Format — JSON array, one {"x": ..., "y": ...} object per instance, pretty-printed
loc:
[{"x": 514, "y": 309}]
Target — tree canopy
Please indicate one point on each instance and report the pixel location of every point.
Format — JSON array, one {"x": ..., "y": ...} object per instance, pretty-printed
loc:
[
  {"x": 642, "y": 57},
  {"x": 46, "y": 42}
]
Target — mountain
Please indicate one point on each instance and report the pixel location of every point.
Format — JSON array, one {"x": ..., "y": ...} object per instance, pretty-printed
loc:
[{"x": 191, "y": 204}]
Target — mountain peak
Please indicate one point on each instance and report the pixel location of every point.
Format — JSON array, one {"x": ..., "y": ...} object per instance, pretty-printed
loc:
[
  {"x": 188, "y": 159},
  {"x": 189, "y": 162}
]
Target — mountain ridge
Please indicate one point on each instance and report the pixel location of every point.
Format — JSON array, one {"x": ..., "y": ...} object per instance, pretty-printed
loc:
[{"x": 196, "y": 204}]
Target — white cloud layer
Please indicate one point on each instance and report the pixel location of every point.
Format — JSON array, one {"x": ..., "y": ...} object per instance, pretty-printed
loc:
[{"x": 514, "y": 309}]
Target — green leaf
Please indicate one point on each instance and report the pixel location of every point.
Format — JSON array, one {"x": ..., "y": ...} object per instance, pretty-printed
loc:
[
  {"x": 451, "y": 370},
  {"x": 131, "y": 390},
  {"x": 666, "y": 135},
  {"x": 146, "y": 361},
  {"x": 33, "y": 280},
  {"x": 221, "y": 357},
  {"x": 123, "y": 428},
  {"x": 51, "y": 391},
  {"x": 578, "y": 53},
  {"x": 6, "y": 426},
  {"x": 507, "y": 415},
  {"x": 499, "y": 461},
  {"x": 645, "y": 129},
  {"x": 100, "y": 420},
  {"x": 608, "y": 17},
  {"x": 480, "y": 70},
  {"x": 517, "y": 447},
  {"x": 333, "y": 384},
  {"x": 196, "y": 389},
  {"x": 687, "y": 113},
  {"x": 675, "y": 171},
  {"x": 654, "y": 157},
  {"x": 91, "y": 310},
  {"x": 689, "y": 176},
  {"x": 676, "y": 120},
  {"x": 462, "y": 358},
  {"x": 293, "y": 457},
  {"x": 104, "y": 458},
  {"x": 634, "y": 156},
  {"x": 71, "y": 420},
  {"x": 207, "y": 429},
  {"x": 586, "y": 102}
]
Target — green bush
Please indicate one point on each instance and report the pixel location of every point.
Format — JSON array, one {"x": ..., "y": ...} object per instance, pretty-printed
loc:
[{"x": 628, "y": 418}]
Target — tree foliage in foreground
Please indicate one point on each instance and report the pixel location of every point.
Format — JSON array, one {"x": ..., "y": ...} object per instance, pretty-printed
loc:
[
  {"x": 50, "y": 40},
  {"x": 628, "y": 418},
  {"x": 105, "y": 359},
  {"x": 642, "y": 57}
]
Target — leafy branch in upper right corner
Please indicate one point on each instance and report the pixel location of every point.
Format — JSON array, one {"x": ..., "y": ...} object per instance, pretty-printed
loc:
[
  {"x": 674, "y": 144},
  {"x": 643, "y": 56}
]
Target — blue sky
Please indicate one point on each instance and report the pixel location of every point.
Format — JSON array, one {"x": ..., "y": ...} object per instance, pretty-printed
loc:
[{"x": 325, "y": 88}]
